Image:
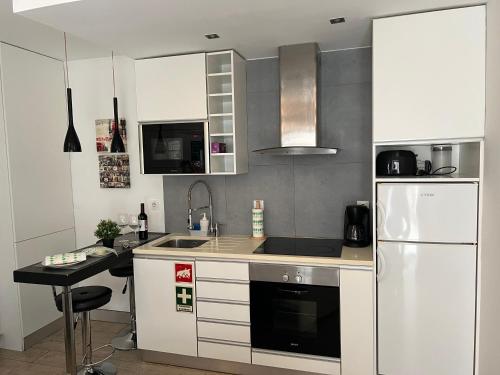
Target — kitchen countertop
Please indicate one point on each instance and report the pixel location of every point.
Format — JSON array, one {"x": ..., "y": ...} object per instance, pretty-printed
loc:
[
  {"x": 239, "y": 247},
  {"x": 70, "y": 275}
]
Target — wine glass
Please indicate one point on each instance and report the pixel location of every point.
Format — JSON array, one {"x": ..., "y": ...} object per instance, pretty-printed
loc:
[
  {"x": 133, "y": 223},
  {"x": 122, "y": 221}
]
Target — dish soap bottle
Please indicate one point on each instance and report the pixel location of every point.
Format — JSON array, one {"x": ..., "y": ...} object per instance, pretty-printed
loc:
[{"x": 204, "y": 224}]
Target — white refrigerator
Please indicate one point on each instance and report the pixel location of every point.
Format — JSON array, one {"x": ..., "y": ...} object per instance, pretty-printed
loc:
[{"x": 426, "y": 278}]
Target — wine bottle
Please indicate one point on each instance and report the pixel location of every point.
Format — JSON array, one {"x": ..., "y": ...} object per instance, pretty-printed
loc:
[{"x": 143, "y": 224}]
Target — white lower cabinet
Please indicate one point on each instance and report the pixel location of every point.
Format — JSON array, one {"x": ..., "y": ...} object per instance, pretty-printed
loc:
[
  {"x": 222, "y": 270},
  {"x": 296, "y": 362},
  {"x": 223, "y": 311},
  {"x": 226, "y": 291},
  {"x": 356, "y": 322},
  {"x": 160, "y": 327},
  {"x": 224, "y": 351},
  {"x": 219, "y": 326},
  {"x": 224, "y": 331}
]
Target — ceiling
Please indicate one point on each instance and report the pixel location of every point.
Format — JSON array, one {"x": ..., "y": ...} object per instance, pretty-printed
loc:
[{"x": 255, "y": 28}]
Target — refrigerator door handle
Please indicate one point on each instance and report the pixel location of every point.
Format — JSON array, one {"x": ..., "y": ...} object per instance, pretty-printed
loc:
[
  {"x": 381, "y": 264},
  {"x": 380, "y": 217}
]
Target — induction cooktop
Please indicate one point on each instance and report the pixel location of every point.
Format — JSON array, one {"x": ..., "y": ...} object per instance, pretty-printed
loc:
[{"x": 301, "y": 246}]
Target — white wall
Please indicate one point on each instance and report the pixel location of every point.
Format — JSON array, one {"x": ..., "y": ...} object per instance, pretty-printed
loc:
[
  {"x": 489, "y": 323},
  {"x": 91, "y": 81}
]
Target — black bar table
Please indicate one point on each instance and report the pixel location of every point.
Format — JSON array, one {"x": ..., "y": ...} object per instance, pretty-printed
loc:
[{"x": 66, "y": 277}]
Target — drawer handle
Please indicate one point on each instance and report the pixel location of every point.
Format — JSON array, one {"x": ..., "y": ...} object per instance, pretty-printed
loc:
[
  {"x": 223, "y": 321},
  {"x": 223, "y": 342},
  {"x": 224, "y": 281},
  {"x": 223, "y": 301}
]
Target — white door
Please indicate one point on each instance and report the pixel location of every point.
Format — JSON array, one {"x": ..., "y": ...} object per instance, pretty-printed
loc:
[
  {"x": 426, "y": 309},
  {"x": 427, "y": 212},
  {"x": 160, "y": 327},
  {"x": 36, "y": 122},
  {"x": 171, "y": 88},
  {"x": 429, "y": 75}
]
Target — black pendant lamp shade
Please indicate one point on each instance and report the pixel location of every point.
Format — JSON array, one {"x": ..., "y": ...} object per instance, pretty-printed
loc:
[
  {"x": 117, "y": 141},
  {"x": 71, "y": 141},
  {"x": 160, "y": 143}
]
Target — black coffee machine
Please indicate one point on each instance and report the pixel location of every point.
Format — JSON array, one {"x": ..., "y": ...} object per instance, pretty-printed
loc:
[{"x": 357, "y": 226}]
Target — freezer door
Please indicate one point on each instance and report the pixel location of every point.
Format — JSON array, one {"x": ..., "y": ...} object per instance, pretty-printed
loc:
[
  {"x": 427, "y": 212},
  {"x": 426, "y": 308}
]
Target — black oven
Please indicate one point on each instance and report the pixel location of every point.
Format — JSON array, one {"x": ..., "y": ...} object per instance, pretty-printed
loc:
[
  {"x": 172, "y": 148},
  {"x": 295, "y": 309}
]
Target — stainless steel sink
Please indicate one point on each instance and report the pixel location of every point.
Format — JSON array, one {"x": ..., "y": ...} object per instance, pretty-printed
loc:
[{"x": 182, "y": 243}]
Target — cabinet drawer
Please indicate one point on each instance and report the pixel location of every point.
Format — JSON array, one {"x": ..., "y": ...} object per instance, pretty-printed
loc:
[
  {"x": 223, "y": 311},
  {"x": 222, "y": 270},
  {"x": 225, "y": 352},
  {"x": 296, "y": 362},
  {"x": 223, "y": 331},
  {"x": 223, "y": 291}
]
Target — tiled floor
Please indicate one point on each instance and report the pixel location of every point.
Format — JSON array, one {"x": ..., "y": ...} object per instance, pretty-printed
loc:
[{"x": 47, "y": 357}]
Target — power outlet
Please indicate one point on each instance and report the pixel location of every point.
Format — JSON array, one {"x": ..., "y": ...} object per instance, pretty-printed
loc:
[
  {"x": 154, "y": 204},
  {"x": 363, "y": 203}
]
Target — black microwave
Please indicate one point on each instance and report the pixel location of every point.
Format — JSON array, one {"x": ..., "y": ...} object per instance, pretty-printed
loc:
[{"x": 174, "y": 147}]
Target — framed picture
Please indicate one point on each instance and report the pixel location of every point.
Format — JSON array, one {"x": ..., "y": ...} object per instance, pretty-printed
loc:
[
  {"x": 114, "y": 171},
  {"x": 104, "y": 134}
]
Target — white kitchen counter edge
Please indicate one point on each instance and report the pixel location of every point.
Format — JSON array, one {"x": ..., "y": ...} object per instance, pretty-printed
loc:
[{"x": 149, "y": 251}]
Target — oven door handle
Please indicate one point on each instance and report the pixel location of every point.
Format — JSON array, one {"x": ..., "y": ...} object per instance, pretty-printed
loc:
[{"x": 290, "y": 291}]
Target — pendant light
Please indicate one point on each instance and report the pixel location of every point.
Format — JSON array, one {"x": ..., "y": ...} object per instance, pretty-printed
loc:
[
  {"x": 160, "y": 143},
  {"x": 117, "y": 141},
  {"x": 71, "y": 141}
]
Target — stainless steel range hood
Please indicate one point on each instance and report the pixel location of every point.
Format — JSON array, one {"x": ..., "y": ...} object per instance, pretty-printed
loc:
[{"x": 299, "y": 71}]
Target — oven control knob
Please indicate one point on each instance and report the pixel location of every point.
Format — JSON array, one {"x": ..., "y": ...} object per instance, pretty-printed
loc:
[
  {"x": 298, "y": 279},
  {"x": 285, "y": 277}
]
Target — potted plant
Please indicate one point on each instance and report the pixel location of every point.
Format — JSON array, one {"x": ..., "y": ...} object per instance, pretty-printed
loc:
[{"x": 107, "y": 231}]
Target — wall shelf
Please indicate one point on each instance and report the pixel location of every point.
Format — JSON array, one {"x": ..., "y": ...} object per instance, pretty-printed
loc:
[
  {"x": 226, "y": 80},
  {"x": 428, "y": 179},
  {"x": 465, "y": 156}
]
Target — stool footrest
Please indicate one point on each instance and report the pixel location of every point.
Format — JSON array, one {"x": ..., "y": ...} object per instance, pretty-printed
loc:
[{"x": 102, "y": 360}]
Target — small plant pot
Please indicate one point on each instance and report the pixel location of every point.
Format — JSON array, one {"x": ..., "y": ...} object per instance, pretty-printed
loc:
[{"x": 106, "y": 242}]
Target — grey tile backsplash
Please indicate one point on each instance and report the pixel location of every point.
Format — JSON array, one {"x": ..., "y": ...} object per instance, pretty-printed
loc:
[{"x": 304, "y": 195}]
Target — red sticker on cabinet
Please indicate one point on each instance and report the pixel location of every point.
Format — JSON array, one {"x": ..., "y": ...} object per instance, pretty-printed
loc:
[{"x": 183, "y": 273}]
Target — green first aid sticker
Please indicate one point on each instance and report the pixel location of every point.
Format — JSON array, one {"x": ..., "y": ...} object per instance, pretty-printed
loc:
[{"x": 184, "y": 298}]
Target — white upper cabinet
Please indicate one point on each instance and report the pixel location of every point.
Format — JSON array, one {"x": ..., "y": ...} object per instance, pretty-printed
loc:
[
  {"x": 171, "y": 88},
  {"x": 429, "y": 75},
  {"x": 36, "y": 122}
]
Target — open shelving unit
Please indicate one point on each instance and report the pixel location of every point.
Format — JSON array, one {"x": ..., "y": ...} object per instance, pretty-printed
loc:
[
  {"x": 466, "y": 156},
  {"x": 226, "y": 86}
]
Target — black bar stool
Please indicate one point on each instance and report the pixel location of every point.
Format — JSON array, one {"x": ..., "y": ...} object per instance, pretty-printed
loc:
[
  {"x": 126, "y": 340},
  {"x": 84, "y": 300}
]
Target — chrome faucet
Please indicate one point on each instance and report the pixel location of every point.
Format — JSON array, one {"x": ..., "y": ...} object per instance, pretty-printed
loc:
[{"x": 211, "y": 228}]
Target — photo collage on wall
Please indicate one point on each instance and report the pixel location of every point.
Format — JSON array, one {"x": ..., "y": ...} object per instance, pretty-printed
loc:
[{"x": 114, "y": 169}]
